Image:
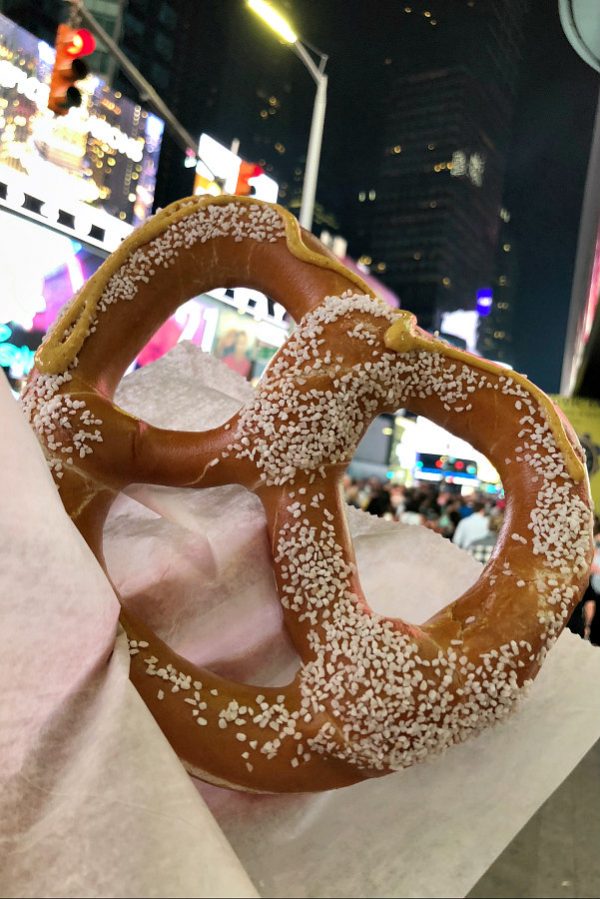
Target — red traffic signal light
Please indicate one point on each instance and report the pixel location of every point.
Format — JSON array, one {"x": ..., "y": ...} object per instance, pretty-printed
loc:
[
  {"x": 71, "y": 44},
  {"x": 82, "y": 43},
  {"x": 247, "y": 170}
]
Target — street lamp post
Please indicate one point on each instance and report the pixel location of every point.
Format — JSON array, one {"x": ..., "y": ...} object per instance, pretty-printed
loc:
[{"x": 311, "y": 171}]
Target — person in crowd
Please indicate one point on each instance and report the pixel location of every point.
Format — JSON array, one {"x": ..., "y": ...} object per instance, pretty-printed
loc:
[
  {"x": 585, "y": 619},
  {"x": 431, "y": 521},
  {"x": 350, "y": 487},
  {"x": 591, "y": 624},
  {"x": 364, "y": 493},
  {"x": 380, "y": 503},
  {"x": 411, "y": 513},
  {"x": 397, "y": 495},
  {"x": 473, "y": 527},
  {"x": 450, "y": 516},
  {"x": 428, "y": 500},
  {"x": 482, "y": 549}
]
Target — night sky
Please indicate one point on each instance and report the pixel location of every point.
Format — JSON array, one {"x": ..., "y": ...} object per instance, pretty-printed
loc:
[{"x": 554, "y": 114}]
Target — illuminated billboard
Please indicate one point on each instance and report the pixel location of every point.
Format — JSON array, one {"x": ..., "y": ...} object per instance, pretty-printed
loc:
[
  {"x": 463, "y": 324},
  {"x": 91, "y": 172},
  {"x": 34, "y": 288},
  {"x": 218, "y": 170},
  {"x": 430, "y": 453},
  {"x": 582, "y": 314}
]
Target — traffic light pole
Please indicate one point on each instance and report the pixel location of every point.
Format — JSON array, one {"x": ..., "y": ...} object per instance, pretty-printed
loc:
[{"x": 147, "y": 92}]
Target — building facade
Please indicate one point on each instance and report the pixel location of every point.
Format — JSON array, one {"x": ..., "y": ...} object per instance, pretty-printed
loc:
[{"x": 427, "y": 213}]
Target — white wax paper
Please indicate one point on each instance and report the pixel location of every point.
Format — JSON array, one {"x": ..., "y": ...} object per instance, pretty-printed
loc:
[
  {"x": 93, "y": 802},
  {"x": 198, "y": 561}
]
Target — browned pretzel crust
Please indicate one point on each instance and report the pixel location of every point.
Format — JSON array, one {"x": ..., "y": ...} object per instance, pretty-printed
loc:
[{"x": 373, "y": 694}]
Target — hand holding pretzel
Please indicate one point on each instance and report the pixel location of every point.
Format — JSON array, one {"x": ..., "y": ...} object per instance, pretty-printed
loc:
[{"x": 373, "y": 694}]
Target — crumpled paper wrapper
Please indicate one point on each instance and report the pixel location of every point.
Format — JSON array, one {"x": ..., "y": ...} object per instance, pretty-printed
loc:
[
  {"x": 93, "y": 802},
  {"x": 198, "y": 562}
]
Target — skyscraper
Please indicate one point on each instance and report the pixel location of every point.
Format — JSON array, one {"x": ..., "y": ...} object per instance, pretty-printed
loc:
[
  {"x": 496, "y": 329},
  {"x": 428, "y": 209}
]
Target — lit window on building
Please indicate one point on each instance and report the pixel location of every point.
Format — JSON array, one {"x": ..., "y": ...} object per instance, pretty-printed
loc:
[
  {"x": 476, "y": 169},
  {"x": 459, "y": 163}
]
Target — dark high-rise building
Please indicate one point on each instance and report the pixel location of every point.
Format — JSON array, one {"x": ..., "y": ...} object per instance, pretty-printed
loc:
[
  {"x": 434, "y": 219},
  {"x": 495, "y": 339},
  {"x": 427, "y": 211},
  {"x": 41, "y": 17}
]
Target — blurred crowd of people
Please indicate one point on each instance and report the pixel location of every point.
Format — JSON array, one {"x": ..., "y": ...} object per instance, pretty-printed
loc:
[{"x": 472, "y": 522}]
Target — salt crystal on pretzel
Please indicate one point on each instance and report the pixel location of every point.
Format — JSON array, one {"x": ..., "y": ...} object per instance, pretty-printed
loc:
[{"x": 373, "y": 694}]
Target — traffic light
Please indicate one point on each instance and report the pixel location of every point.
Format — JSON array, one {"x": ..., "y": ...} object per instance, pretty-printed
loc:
[
  {"x": 247, "y": 170},
  {"x": 71, "y": 44}
]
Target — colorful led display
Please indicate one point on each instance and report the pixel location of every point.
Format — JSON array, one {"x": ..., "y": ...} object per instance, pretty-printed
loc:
[{"x": 94, "y": 166}]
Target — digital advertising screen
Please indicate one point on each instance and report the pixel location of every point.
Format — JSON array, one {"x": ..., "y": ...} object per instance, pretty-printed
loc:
[
  {"x": 36, "y": 284},
  {"x": 244, "y": 344},
  {"x": 41, "y": 270},
  {"x": 100, "y": 158}
]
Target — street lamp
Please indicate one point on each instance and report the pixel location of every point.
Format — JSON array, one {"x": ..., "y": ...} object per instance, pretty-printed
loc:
[{"x": 284, "y": 30}]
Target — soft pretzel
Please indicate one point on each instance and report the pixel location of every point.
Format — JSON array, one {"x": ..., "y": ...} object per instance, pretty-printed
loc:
[{"x": 373, "y": 694}]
